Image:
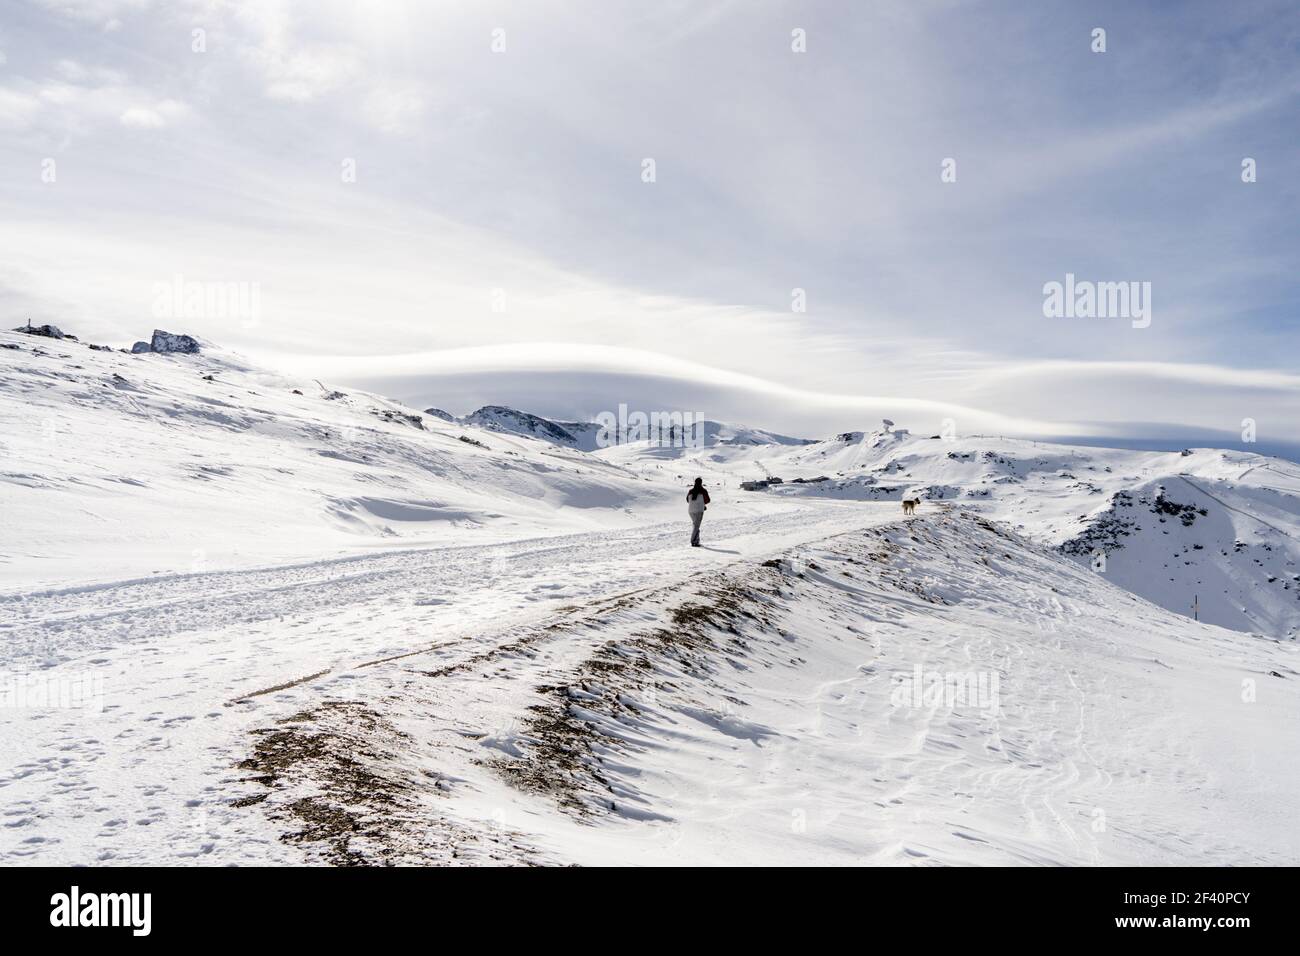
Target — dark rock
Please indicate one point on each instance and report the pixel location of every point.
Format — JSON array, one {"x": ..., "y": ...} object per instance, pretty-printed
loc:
[
  {"x": 333, "y": 396},
  {"x": 140, "y": 347},
  {"x": 439, "y": 413},
  {"x": 169, "y": 342},
  {"x": 400, "y": 418},
  {"x": 49, "y": 331}
]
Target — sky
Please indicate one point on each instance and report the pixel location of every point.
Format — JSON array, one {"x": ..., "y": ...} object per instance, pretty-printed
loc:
[{"x": 449, "y": 203}]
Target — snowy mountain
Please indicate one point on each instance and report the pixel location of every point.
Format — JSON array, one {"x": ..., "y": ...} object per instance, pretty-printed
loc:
[
  {"x": 592, "y": 436},
  {"x": 247, "y": 618},
  {"x": 1206, "y": 532},
  {"x": 119, "y": 463},
  {"x": 712, "y": 433},
  {"x": 203, "y": 460},
  {"x": 581, "y": 435}
]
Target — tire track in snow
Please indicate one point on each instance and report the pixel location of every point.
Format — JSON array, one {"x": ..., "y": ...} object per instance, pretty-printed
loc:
[
  {"x": 57, "y": 626},
  {"x": 1244, "y": 514}
]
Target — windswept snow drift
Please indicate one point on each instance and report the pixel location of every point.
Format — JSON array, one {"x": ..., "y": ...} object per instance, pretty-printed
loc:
[{"x": 939, "y": 692}]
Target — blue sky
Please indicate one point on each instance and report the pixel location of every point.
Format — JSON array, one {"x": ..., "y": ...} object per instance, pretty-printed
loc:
[{"x": 499, "y": 244}]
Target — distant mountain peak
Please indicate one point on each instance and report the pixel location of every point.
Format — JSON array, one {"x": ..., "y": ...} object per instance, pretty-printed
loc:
[{"x": 505, "y": 418}]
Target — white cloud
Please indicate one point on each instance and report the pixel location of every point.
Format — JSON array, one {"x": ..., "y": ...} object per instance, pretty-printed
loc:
[
  {"x": 292, "y": 68},
  {"x": 568, "y": 361},
  {"x": 77, "y": 99},
  {"x": 141, "y": 118},
  {"x": 107, "y": 13},
  {"x": 915, "y": 289},
  {"x": 17, "y": 109},
  {"x": 306, "y": 74},
  {"x": 153, "y": 117},
  {"x": 71, "y": 70},
  {"x": 394, "y": 110},
  {"x": 1040, "y": 400},
  {"x": 76, "y": 72}
]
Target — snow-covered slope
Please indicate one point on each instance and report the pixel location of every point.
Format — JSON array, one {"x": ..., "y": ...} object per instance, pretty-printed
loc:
[
  {"x": 249, "y": 619},
  {"x": 117, "y": 464},
  {"x": 581, "y": 435},
  {"x": 833, "y": 686},
  {"x": 938, "y": 692},
  {"x": 710, "y": 433},
  {"x": 1210, "y": 532}
]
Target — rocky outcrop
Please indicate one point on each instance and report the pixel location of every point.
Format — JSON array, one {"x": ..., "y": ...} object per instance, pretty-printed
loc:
[
  {"x": 168, "y": 342},
  {"x": 49, "y": 331},
  {"x": 1184, "y": 513},
  {"x": 1106, "y": 530},
  {"x": 400, "y": 418}
]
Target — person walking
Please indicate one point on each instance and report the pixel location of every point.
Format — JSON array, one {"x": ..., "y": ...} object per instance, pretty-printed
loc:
[{"x": 697, "y": 499}]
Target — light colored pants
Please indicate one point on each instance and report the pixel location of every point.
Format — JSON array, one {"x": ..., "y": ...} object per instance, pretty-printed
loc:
[{"x": 695, "y": 528}]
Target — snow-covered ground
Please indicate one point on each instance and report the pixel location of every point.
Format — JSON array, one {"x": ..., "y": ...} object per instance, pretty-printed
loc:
[
  {"x": 121, "y": 465},
  {"x": 1218, "y": 531},
  {"x": 242, "y": 625}
]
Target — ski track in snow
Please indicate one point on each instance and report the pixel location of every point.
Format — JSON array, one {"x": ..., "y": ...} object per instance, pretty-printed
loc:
[
  {"x": 62, "y": 624},
  {"x": 1235, "y": 510},
  {"x": 173, "y": 652}
]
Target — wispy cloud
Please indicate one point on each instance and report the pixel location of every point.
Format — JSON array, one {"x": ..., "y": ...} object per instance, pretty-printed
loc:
[{"x": 396, "y": 186}]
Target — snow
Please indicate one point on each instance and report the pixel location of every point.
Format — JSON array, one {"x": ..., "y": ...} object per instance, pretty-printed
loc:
[
  {"x": 1239, "y": 563},
  {"x": 126, "y": 465},
  {"x": 247, "y": 618}
]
